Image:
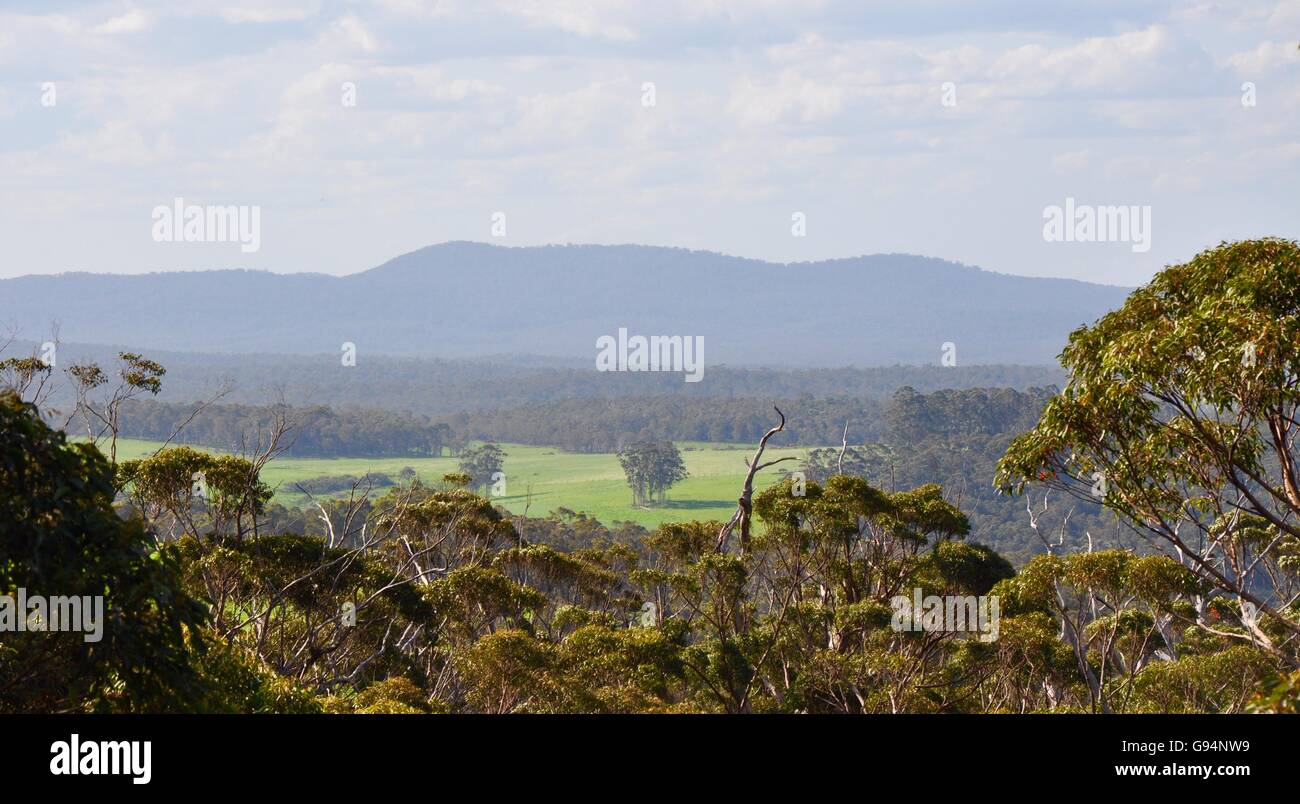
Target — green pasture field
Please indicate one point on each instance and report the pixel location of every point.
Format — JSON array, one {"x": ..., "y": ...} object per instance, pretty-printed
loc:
[{"x": 541, "y": 479}]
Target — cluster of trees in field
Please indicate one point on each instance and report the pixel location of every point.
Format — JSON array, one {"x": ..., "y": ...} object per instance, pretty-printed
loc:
[
  {"x": 482, "y": 465},
  {"x": 651, "y": 468},
  {"x": 317, "y": 431}
]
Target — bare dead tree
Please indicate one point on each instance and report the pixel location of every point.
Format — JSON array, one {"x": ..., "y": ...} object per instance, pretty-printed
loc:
[
  {"x": 1035, "y": 516},
  {"x": 277, "y": 441},
  {"x": 10, "y": 336},
  {"x": 844, "y": 446},
  {"x": 744, "y": 506}
]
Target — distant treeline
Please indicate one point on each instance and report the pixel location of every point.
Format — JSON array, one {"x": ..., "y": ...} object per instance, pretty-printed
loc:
[
  {"x": 608, "y": 425},
  {"x": 912, "y": 418},
  {"x": 439, "y": 388},
  {"x": 601, "y": 425},
  {"x": 576, "y": 425},
  {"x": 317, "y": 432}
]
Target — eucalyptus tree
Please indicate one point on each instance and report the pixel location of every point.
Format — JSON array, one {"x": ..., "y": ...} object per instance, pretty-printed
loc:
[
  {"x": 483, "y": 464},
  {"x": 1180, "y": 414},
  {"x": 651, "y": 468}
]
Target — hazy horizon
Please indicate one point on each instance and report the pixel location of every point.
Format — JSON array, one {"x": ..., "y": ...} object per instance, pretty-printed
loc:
[{"x": 713, "y": 252}]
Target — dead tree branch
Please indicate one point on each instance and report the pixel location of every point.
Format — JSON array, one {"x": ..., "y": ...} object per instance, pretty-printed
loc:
[{"x": 744, "y": 506}]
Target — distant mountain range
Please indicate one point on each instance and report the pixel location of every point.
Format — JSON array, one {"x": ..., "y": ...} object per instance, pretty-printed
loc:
[{"x": 467, "y": 300}]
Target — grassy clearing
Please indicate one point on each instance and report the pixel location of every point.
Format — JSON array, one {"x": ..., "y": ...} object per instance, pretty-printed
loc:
[{"x": 541, "y": 479}]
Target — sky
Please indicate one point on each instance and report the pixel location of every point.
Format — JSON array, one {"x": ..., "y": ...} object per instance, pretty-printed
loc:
[{"x": 786, "y": 131}]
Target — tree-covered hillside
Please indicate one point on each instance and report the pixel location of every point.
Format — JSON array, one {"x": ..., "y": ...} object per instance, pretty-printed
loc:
[{"x": 562, "y": 298}]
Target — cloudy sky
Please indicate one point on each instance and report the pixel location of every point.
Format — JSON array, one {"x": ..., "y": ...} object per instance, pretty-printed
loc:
[{"x": 539, "y": 110}]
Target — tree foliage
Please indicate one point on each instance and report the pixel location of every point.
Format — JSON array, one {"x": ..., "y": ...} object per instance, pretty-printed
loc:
[
  {"x": 651, "y": 468},
  {"x": 1180, "y": 414},
  {"x": 59, "y": 535}
]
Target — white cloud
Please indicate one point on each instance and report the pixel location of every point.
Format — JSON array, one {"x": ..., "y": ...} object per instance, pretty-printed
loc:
[
  {"x": 432, "y": 83},
  {"x": 266, "y": 12},
  {"x": 349, "y": 32},
  {"x": 791, "y": 97},
  {"x": 582, "y": 17},
  {"x": 417, "y": 8},
  {"x": 1072, "y": 161},
  {"x": 1124, "y": 65},
  {"x": 1265, "y": 58},
  {"x": 134, "y": 21}
]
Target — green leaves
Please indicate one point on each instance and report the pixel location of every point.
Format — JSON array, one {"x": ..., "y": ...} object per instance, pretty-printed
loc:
[
  {"x": 1184, "y": 403},
  {"x": 963, "y": 568},
  {"x": 179, "y": 480},
  {"x": 481, "y": 465},
  {"x": 651, "y": 468},
  {"x": 59, "y": 535}
]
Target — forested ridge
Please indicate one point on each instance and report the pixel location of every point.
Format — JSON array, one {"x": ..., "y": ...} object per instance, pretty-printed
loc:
[{"x": 432, "y": 301}]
